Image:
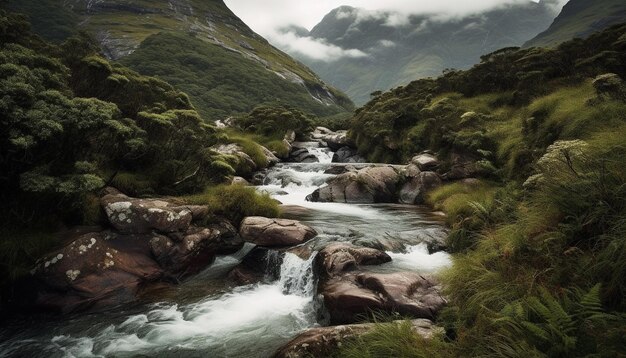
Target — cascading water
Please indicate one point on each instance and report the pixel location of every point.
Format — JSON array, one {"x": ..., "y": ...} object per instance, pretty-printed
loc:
[
  {"x": 296, "y": 275},
  {"x": 247, "y": 321}
]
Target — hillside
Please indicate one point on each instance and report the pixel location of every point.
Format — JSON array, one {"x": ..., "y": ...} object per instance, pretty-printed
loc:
[
  {"x": 581, "y": 18},
  {"x": 398, "y": 50},
  {"x": 257, "y": 72},
  {"x": 530, "y": 145}
]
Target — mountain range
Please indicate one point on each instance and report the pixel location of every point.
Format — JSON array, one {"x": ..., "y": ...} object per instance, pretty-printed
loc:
[
  {"x": 396, "y": 48},
  {"x": 199, "y": 46}
]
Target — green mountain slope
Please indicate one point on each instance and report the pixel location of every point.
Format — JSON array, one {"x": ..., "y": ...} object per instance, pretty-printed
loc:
[
  {"x": 581, "y": 18},
  {"x": 263, "y": 75},
  {"x": 399, "y": 52},
  {"x": 530, "y": 144}
]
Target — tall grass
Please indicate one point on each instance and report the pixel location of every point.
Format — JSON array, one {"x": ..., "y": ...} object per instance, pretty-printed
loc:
[
  {"x": 394, "y": 339},
  {"x": 235, "y": 202}
]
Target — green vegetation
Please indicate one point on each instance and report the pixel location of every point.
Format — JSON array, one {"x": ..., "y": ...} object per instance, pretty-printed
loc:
[
  {"x": 235, "y": 202},
  {"x": 580, "y": 18},
  {"x": 539, "y": 240},
  {"x": 200, "y": 47},
  {"x": 218, "y": 81},
  {"x": 276, "y": 122},
  {"x": 73, "y": 123},
  {"x": 394, "y": 339}
]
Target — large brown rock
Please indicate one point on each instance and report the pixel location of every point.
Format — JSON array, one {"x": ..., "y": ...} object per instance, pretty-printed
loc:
[
  {"x": 96, "y": 269},
  {"x": 141, "y": 216},
  {"x": 324, "y": 341},
  {"x": 105, "y": 268},
  {"x": 367, "y": 185},
  {"x": 189, "y": 253},
  {"x": 337, "y": 258},
  {"x": 351, "y": 296},
  {"x": 275, "y": 232}
]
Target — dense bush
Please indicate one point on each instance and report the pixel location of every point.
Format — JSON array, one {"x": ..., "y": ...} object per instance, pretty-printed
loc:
[{"x": 275, "y": 122}]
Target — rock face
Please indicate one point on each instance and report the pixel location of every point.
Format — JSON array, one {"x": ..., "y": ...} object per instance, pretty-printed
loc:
[
  {"x": 348, "y": 155},
  {"x": 275, "y": 232},
  {"x": 351, "y": 296},
  {"x": 153, "y": 241},
  {"x": 140, "y": 216},
  {"x": 368, "y": 185},
  {"x": 324, "y": 341}
]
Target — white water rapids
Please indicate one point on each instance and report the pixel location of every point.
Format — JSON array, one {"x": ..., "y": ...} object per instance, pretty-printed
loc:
[{"x": 207, "y": 317}]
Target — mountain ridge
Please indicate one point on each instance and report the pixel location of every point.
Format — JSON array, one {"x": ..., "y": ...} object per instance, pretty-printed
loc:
[
  {"x": 121, "y": 26},
  {"x": 580, "y": 18},
  {"x": 402, "y": 47}
]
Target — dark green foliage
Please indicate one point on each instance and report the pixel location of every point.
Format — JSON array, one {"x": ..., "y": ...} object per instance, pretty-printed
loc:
[
  {"x": 72, "y": 123},
  {"x": 50, "y": 19},
  {"x": 275, "y": 122},
  {"x": 217, "y": 80},
  {"x": 429, "y": 113}
]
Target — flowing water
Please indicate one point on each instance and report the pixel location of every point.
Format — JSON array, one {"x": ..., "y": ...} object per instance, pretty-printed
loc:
[{"x": 207, "y": 317}]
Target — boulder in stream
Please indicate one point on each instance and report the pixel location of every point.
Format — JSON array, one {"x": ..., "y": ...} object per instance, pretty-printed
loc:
[
  {"x": 302, "y": 155},
  {"x": 141, "y": 216},
  {"x": 367, "y": 185},
  {"x": 425, "y": 161},
  {"x": 275, "y": 232},
  {"x": 348, "y": 155},
  {"x": 351, "y": 296},
  {"x": 337, "y": 258},
  {"x": 106, "y": 268}
]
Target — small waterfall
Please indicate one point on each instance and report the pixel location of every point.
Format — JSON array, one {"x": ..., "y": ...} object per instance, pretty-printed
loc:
[
  {"x": 296, "y": 275},
  {"x": 324, "y": 155}
]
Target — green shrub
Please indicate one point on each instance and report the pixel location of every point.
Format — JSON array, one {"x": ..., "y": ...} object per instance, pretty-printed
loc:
[
  {"x": 394, "y": 339},
  {"x": 276, "y": 121},
  {"x": 235, "y": 202}
]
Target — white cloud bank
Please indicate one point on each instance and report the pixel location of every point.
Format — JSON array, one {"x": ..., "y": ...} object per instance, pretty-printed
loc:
[
  {"x": 310, "y": 47},
  {"x": 266, "y": 17}
]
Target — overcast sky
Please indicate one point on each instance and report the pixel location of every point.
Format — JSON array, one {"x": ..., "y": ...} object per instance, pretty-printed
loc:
[{"x": 267, "y": 16}]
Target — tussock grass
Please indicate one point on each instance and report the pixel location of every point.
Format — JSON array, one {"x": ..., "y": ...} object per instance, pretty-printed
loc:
[
  {"x": 394, "y": 339},
  {"x": 235, "y": 202}
]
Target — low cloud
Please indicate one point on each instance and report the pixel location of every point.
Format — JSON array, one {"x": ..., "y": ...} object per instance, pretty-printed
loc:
[{"x": 313, "y": 48}]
